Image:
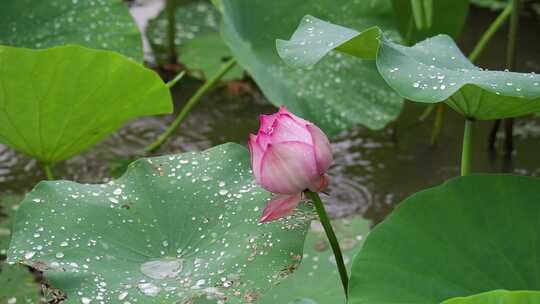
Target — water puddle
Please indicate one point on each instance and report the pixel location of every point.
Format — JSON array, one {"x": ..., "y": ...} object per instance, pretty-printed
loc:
[{"x": 166, "y": 268}]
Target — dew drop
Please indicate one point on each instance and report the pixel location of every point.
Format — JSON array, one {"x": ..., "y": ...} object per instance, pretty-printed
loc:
[
  {"x": 85, "y": 300},
  {"x": 123, "y": 295},
  {"x": 149, "y": 289}
]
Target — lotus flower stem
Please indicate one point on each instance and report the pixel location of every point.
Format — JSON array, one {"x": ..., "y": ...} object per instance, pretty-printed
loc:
[
  {"x": 48, "y": 171},
  {"x": 203, "y": 90},
  {"x": 325, "y": 221},
  {"x": 513, "y": 8},
  {"x": 510, "y": 65},
  {"x": 488, "y": 34},
  {"x": 466, "y": 155},
  {"x": 512, "y": 35},
  {"x": 170, "y": 10}
]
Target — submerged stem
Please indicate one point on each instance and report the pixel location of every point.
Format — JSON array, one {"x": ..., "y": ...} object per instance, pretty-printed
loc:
[
  {"x": 466, "y": 154},
  {"x": 205, "y": 88},
  {"x": 488, "y": 34},
  {"x": 48, "y": 171},
  {"x": 437, "y": 124},
  {"x": 325, "y": 221},
  {"x": 427, "y": 111}
]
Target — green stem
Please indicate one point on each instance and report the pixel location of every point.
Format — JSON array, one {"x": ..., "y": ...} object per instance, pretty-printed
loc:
[
  {"x": 428, "y": 13},
  {"x": 418, "y": 13},
  {"x": 512, "y": 36},
  {"x": 48, "y": 171},
  {"x": 510, "y": 65},
  {"x": 514, "y": 8},
  {"x": 176, "y": 79},
  {"x": 466, "y": 154},
  {"x": 203, "y": 90},
  {"x": 170, "y": 9},
  {"x": 488, "y": 34},
  {"x": 325, "y": 221}
]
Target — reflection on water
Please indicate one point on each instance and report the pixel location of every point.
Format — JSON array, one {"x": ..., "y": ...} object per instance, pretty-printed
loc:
[{"x": 373, "y": 170}]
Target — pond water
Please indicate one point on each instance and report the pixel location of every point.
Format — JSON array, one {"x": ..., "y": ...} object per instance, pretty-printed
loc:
[{"x": 373, "y": 170}]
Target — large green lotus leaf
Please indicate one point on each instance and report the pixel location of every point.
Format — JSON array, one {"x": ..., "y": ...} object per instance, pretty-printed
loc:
[
  {"x": 431, "y": 71},
  {"x": 499, "y": 297},
  {"x": 17, "y": 285},
  {"x": 198, "y": 42},
  {"x": 100, "y": 24},
  {"x": 421, "y": 19},
  {"x": 467, "y": 236},
  {"x": 336, "y": 94},
  {"x": 171, "y": 229},
  {"x": 57, "y": 102},
  {"x": 317, "y": 279}
]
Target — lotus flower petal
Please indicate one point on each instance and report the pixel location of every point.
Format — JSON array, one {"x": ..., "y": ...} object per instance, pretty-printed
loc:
[
  {"x": 323, "y": 150},
  {"x": 280, "y": 206},
  {"x": 256, "y": 155},
  {"x": 288, "y": 167},
  {"x": 266, "y": 122},
  {"x": 285, "y": 128},
  {"x": 321, "y": 184}
]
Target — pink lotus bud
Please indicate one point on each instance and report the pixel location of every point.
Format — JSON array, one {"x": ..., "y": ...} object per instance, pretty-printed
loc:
[{"x": 288, "y": 156}]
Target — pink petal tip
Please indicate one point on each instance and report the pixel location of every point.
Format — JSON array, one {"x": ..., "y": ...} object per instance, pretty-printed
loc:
[{"x": 280, "y": 206}]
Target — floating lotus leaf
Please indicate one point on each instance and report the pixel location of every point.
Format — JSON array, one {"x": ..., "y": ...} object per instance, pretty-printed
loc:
[{"x": 172, "y": 229}]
